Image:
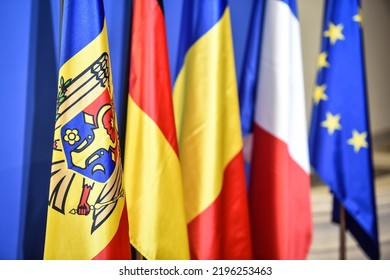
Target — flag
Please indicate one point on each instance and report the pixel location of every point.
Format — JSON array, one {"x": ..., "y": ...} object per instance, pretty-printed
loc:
[
  {"x": 210, "y": 144},
  {"x": 340, "y": 144},
  {"x": 279, "y": 190},
  {"x": 152, "y": 175},
  {"x": 87, "y": 213}
]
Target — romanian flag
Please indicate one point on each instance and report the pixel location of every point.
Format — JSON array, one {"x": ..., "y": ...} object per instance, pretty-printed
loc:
[
  {"x": 87, "y": 212},
  {"x": 340, "y": 137},
  {"x": 210, "y": 143},
  {"x": 152, "y": 176},
  {"x": 279, "y": 180}
]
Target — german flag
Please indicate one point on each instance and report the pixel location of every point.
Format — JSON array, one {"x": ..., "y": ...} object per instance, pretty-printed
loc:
[{"x": 152, "y": 175}]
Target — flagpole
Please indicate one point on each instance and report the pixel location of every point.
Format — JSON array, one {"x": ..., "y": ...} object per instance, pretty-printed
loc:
[{"x": 342, "y": 233}]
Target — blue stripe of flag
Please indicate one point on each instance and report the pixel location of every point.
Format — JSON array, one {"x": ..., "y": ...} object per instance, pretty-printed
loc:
[
  {"x": 250, "y": 69},
  {"x": 293, "y": 6},
  {"x": 199, "y": 16},
  {"x": 82, "y": 22}
]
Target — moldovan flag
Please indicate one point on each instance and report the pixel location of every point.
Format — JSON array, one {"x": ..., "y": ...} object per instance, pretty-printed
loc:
[
  {"x": 340, "y": 136},
  {"x": 280, "y": 183},
  {"x": 152, "y": 176},
  {"x": 87, "y": 213},
  {"x": 210, "y": 143}
]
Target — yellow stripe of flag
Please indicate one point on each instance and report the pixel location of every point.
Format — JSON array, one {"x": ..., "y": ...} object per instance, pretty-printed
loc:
[
  {"x": 207, "y": 116},
  {"x": 153, "y": 189}
]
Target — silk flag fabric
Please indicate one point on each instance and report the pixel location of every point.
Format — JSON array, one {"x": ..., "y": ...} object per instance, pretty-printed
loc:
[
  {"x": 279, "y": 181},
  {"x": 248, "y": 81},
  {"x": 210, "y": 143},
  {"x": 152, "y": 174},
  {"x": 340, "y": 141},
  {"x": 87, "y": 213},
  {"x": 250, "y": 71}
]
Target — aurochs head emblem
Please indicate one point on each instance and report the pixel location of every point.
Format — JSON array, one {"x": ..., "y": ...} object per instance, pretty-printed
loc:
[
  {"x": 90, "y": 140},
  {"x": 86, "y": 173}
]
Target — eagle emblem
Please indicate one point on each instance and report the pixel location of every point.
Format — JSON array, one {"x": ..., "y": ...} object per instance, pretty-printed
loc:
[{"x": 86, "y": 152}]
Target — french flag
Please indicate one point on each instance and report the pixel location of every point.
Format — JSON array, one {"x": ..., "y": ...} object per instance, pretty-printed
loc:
[{"x": 279, "y": 175}]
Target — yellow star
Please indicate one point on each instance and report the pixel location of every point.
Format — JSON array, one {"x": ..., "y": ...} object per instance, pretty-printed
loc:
[
  {"x": 319, "y": 94},
  {"x": 359, "y": 17},
  {"x": 332, "y": 122},
  {"x": 358, "y": 140},
  {"x": 322, "y": 60},
  {"x": 334, "y": 33}
]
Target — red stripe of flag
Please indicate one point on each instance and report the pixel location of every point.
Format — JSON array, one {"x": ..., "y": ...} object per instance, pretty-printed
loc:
[
  {"x": 275, "y": 203},
  {"x": 151, "y": 89},
  {"x": 119, "y": 247},
  {"x": 213, "y": 234}
]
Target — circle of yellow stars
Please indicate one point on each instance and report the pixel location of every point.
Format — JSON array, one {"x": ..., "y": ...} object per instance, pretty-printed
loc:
[{"x": 332, "y": 121}]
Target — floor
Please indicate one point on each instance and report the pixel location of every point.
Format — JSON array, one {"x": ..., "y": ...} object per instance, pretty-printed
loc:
[{"x": 326, "y": 239}]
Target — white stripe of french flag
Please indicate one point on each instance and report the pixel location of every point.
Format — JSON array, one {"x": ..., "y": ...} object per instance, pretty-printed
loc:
[{"x": 280, "y": 181}]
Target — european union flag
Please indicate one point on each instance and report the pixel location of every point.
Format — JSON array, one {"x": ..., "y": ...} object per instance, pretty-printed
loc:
[{"x": 340, "y": 144}]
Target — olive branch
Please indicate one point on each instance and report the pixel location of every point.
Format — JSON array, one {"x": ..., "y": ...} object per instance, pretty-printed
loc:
[{"x": 63, "y": 88}]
